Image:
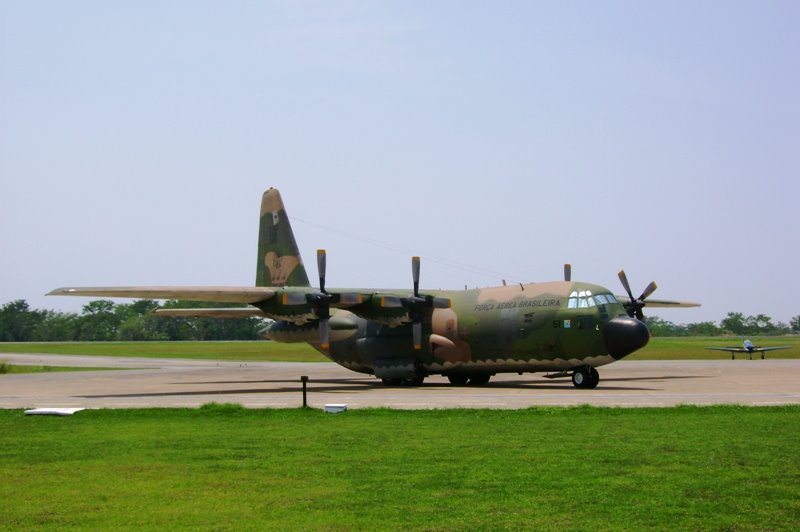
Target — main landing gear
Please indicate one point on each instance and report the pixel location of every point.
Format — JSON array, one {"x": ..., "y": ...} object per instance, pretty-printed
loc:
[{"x": 585, "y": 377}]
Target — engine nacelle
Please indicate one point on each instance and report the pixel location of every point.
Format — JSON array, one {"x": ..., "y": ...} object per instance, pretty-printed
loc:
[{"x": 287, "y": 332}]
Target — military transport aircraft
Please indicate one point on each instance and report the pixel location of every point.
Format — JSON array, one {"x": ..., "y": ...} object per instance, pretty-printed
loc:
[
  {"x": 563, "y": 327},
  {"x": 749, "y": 348}
]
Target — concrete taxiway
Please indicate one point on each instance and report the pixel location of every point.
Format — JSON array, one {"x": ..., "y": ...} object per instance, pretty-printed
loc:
[{"x": 191, "y": 383}]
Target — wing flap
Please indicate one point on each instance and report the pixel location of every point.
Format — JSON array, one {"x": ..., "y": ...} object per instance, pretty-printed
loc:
[
  {"x": 219, "y": 294},
  {"x": 220, "y": 313}
]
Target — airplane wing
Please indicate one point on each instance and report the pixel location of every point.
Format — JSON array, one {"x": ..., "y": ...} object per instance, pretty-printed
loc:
[
  {"x": 743, "y": 350},
  {"x": 663, "y": 303},
  {"x": 292, "y": 303},
  {"x": 391, "y": 308},
  {"x": 223, "y": 294},
  {"x": 223, "y": 313}
]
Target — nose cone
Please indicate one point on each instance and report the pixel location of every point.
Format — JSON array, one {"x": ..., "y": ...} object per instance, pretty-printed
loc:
[{"x": 624, "y": 335}]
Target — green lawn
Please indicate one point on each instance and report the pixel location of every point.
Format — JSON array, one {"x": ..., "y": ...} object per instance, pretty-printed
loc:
[
  {"x": 223, "y": 467},
  {"x": 239, "y": 351},
  {"x": 6, "y": 368}
]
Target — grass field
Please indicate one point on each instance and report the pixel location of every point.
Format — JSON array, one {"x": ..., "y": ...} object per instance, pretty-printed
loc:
[
  {"x": 14, "y": 369},
  {"x": 239, "y": 351},
  {"x": 657, "y": 349},
  {"x": 223, "y": 467}
]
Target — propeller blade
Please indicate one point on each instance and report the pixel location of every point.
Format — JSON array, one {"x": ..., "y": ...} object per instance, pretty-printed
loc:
[
  {"x": 321, "y": 264},
  {"x": 415, "y": 274},
  {"x": 324, "y": 333},
  {"x": 568, "y": 272},
  {"x": 624, "y": 280},
  {"x": 649, "y": 290},
  {"x": 322, "y": 302},
  {"x": 417, "y": 332}
]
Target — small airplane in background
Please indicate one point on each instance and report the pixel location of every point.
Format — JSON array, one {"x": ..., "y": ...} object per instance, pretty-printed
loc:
[
  {"x": 749, "y": 348},
  {"x": 401, "y": 336}
]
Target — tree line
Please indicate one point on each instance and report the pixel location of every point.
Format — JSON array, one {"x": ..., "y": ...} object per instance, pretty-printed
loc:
[
  {"x": 735, "y": 323},
  {"x": 104, "y": 320}
]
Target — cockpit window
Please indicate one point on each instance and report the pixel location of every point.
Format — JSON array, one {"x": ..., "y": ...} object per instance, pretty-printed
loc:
[
  {"x": 585, "y": 299},
  {"x": 580, "y": 299}
]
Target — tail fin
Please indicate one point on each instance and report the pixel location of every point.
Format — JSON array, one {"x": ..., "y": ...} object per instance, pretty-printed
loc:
[{"x": 279, "y": 261}]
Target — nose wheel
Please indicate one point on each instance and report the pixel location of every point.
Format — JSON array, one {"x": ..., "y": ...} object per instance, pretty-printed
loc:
[{"x": 585, "y": 377}]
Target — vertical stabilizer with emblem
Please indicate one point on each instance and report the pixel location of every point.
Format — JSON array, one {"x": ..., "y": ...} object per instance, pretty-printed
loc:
[{"x": 279, "y": 262}]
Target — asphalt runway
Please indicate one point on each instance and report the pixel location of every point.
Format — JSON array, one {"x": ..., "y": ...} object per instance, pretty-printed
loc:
[{"x": 191, "y": 383}]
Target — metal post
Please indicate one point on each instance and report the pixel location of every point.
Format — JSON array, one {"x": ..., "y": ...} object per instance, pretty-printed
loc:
[{"x": 304, "y": 378}]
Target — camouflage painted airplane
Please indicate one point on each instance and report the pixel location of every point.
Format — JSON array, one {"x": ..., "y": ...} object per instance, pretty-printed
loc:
[
  {"x": 749, "y": 348},
  {"x": 564, "y": 327}
]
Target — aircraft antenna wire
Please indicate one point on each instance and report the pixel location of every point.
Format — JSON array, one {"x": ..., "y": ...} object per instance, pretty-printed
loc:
[{"x": 403, "y": 251}]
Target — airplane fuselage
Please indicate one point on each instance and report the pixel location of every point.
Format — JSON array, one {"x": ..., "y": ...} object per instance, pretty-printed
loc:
[{"x": 554, "y": 326}]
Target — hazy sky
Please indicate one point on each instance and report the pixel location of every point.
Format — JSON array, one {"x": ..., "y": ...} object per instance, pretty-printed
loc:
[{"x": 504, "y": 138}]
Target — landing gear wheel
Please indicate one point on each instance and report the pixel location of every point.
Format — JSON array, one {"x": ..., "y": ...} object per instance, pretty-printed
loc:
[
  {"x": 479, "y": 379},
  {"x": 391, "y": 382},
  {"x": 579, "y": 378},
  {"x": 594, "y": 378},
  {"x": 458, "y": 380},
  {"x": 585, "y": 377}
]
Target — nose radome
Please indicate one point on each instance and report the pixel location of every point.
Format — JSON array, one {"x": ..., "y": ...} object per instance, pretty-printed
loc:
[{"x": 624, "y": 335}]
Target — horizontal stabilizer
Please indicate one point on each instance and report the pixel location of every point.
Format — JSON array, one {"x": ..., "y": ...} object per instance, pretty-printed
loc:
[
  {"x": 221, "y": 294},
  {"x": 219, "y": 313}
]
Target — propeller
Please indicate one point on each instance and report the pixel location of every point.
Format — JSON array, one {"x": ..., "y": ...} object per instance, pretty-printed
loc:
[
  {"x": 416, "y": 304},
  {"x": 321, "y": 302},
  {"x": 635, "y": 305},
  {"x": 568, "y": 272}
]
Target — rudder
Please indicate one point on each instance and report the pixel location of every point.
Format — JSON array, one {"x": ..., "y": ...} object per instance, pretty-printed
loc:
[{"x": 279, "y": 261}]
